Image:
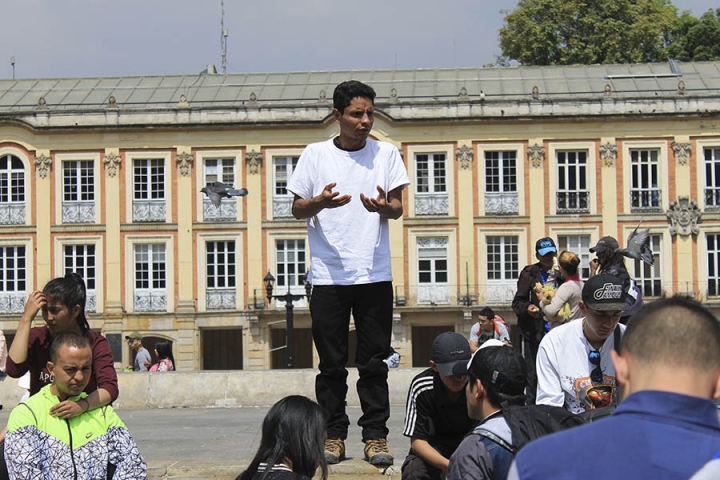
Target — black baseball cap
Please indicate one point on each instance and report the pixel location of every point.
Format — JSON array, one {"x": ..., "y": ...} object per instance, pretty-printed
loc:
[
  {"x": 451, "y": 352},
  {"x": 544, "y": 246},
  {"x": 502, "y": 368},
  {"x": 605, "y": 292},
  {"x": 603, "y": 244}
]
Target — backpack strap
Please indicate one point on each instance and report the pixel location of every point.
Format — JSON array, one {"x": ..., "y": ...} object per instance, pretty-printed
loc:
[
  {"x": 491, "y": 436},
  {"x": 617, "y": 339}
]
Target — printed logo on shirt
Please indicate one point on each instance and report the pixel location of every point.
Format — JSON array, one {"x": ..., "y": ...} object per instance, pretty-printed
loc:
[
  {"x": 46, "y": 378},
  {"x": 593, "y": 396}
]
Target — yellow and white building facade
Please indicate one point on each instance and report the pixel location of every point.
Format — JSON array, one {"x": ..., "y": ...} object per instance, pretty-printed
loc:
[{"x": 102, "y": 176}]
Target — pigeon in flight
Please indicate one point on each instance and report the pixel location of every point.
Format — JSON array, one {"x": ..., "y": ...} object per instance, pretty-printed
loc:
[
  {"x": 216, "y": 191},
  {"x": 638, "y": 247}
]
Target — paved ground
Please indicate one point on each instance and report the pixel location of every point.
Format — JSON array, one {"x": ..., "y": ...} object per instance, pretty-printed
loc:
[{"x": 217, "y": 443}]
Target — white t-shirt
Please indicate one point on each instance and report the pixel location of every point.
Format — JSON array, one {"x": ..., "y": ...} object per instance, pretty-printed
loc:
[
  {"x": 563, "y": 370},
  {"x": 348, "y": 244}
]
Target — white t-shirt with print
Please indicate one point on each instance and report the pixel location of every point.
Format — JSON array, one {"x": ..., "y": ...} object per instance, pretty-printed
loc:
[
  {"x": 348, "y": 244},
  {"x": 563, "y": 370}
]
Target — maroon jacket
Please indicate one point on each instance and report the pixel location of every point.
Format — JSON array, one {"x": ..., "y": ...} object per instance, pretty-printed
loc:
[{"x": 103, "y": 374}]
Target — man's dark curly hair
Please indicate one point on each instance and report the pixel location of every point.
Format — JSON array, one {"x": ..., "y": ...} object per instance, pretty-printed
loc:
[{"x": 347, "y": 91}]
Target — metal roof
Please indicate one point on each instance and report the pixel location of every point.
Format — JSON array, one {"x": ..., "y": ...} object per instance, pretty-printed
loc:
[{"x": 402, "y": 86}]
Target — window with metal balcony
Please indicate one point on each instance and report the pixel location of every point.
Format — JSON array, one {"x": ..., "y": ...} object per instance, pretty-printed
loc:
[
  {"x": 149, "y": 190},
  {"x": 712, "y": 178},
  {"x": 713, "y": 264},
  {"x": 649, "y": 278},
  {"x": 220, "y": 170},
  {"x": 78, "y": 191},
  {"x": 503, "y": 267},
  {"x": 12, "y": 190},
  {"x": 220, "y": 275},
  {"x": 501, "y": 195},
  {"x": 433, "y": 286},
  {"x": 572, "y": 193},
  {"x": 431, "y": 197},
  {"x": 150, "y": 294},
  {"x": 81, "y": 259},
  {"x": 283, "y": 167},
  {"x": 645, "y": 192},
  {"x": 13, "y": 275}
]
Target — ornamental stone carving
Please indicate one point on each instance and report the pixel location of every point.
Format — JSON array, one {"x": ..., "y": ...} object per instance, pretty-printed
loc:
[
  {"x": 253, "y": 160},
  {"x": 112, "y": 162},
  {"x": 684, "y": 215},
  {"x": 608, "y": 153},
  {"x": 184, "y": 161},
  {"x": 464, "y": 156},
  {"x": 43, "y": 162},
  {"x": 682, "y": 152},
  {"x": 536, "y": 155}
]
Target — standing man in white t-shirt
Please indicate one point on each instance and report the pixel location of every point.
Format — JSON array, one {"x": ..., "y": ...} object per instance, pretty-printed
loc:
[
  {"x": 348, "y": 188},
  {"x": 574, "y": 368}
]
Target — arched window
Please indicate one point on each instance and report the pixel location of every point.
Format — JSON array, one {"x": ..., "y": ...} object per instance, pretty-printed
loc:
[{"x": 12, "y": 190}]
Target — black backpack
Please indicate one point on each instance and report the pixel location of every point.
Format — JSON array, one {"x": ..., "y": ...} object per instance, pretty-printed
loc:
[{"x": 530, "y": 422}]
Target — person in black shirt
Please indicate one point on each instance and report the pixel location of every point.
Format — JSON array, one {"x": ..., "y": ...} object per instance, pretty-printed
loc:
[{"x": 436, "y": 418}]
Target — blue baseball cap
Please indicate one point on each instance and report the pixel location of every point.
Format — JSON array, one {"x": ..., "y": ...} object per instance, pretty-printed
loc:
[{"x": 544, "y": 246}]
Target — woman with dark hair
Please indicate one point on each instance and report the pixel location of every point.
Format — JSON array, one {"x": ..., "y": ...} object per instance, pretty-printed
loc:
[
  {"x": 165, "y": 360},
  {"x": 292, "y": 443},
  {"x": 62, "y": 302}
]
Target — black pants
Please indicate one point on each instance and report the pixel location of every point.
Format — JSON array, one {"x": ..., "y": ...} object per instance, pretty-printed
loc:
[
  {"x": 414, "y": 468},
  {"x": 371, "y": 307}
]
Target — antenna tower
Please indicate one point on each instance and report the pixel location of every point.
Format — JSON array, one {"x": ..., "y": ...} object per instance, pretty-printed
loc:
[{"x": 223, "y": 38}]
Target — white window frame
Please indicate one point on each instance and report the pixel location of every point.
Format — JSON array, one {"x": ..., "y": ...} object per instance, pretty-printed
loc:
[
  {"x": 502, "y": 174},
  {"x": 519, "y": 149},
  {"x": 413, "y": 261},
  {"x": 271, "y": 154},
  {"x": 575, "y": 246},
  {"x": 60, "y": 159},
  {"x": 26, "y": 178},
  {"x": 705, "y": 289},
  {"x": 201, "y": 156},
  {"x": 272, "y": 240},
  {"x": 19, "y": 295},
  {"x": 664, "y": 188},
  {"x": 98, "y": 243},
  {"x": 642, "y": 272},
  {"x": 130, "y": 243},
  {"x": 502, "y": 291},
  {"x": 433, "y": 161},
  {"x": 702, "y": 179},
  {"x": 170, "y": 178},
  {"x": 591, "y": 180},
  {"x": 433, "y": 292},
  {"x": 240, "y": 280},
  {"x": 420, "y": 149}
]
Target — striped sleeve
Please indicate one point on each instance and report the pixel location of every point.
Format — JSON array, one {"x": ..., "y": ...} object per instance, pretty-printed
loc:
[{"x": 417, "y": 420}]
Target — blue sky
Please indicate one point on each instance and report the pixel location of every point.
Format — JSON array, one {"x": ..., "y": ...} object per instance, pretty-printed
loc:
[{"x": 89, "y": 38}]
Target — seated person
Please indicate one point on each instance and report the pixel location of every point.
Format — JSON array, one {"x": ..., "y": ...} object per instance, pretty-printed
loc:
[
  {"x": 436, "y": 418},
  {"x": 42, "y": 445},
  {"x": 497, "y": 378},
  {"x": 486, "y": 329}
]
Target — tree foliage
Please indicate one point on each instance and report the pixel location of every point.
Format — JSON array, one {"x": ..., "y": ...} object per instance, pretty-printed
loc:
[
  {"x": 696, "y": 39},
  {"x": 564, "y": 32}
]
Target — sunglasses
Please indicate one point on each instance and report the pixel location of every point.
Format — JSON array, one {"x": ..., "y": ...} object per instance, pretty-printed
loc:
[{"x": 596, "y": 375}]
